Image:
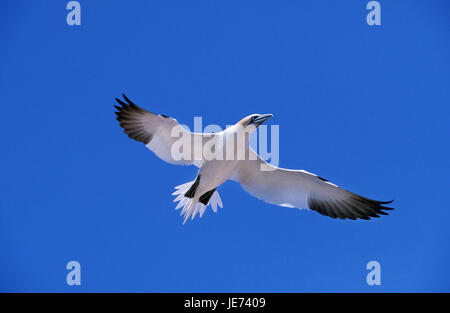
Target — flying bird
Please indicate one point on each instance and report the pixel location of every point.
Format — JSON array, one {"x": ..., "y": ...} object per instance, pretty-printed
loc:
[{"x": 284, "y": 187}]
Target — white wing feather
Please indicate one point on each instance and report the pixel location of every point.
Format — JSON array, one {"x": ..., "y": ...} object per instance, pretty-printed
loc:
[{"x": 300, "y": 189}]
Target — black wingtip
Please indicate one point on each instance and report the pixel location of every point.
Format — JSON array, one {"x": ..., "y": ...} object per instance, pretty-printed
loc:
[
  {"x": 382, "y": 203},
  {"x": 127, "y": 100},
  {"x": 123, "y": 104},
  {"x": 357, "y": 207}
]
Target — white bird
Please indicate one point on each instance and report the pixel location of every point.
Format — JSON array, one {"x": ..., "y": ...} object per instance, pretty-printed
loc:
[{"x": 289, "y": 188}]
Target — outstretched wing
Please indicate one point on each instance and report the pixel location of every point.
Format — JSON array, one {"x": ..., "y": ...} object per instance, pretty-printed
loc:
[
  {"x": 160, "y": 133},
  {"x": 300, "y": 189}
]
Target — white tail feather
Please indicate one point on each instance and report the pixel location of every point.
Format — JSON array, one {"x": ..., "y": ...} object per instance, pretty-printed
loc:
[
  {"x": 181, "y": 203},
  {"x": 192, "y": 207}
]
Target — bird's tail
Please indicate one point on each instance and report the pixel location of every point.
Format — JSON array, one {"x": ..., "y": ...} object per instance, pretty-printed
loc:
[{"x": 192, "y": 206}]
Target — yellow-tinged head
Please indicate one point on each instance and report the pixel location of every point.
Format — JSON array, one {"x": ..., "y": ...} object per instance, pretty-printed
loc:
[{"x": 254, "y": 119}]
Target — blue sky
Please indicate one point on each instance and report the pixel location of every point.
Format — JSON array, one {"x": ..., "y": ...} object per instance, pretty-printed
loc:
[{"x": 366, "y": 107}]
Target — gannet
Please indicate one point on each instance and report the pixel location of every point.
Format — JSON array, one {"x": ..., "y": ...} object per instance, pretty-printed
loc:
[{"x": 284, "y": 187}]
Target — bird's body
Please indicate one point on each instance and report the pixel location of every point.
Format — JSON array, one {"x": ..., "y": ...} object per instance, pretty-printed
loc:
[
  {"x": 213, "y": 171},
  {"x": 226, "y": 155}
]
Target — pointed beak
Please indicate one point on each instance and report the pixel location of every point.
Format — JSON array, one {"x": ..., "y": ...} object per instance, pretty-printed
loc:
[{"x": 261, "y": 119}]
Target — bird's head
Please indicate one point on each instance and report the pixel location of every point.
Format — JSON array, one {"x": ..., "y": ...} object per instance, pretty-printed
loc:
[{"x": 254, "y": 120}]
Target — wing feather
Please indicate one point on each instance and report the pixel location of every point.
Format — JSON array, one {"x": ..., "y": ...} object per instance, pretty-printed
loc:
[
  {"x": 158, "y": 132},
  {"x": 303, "y": 190}
]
